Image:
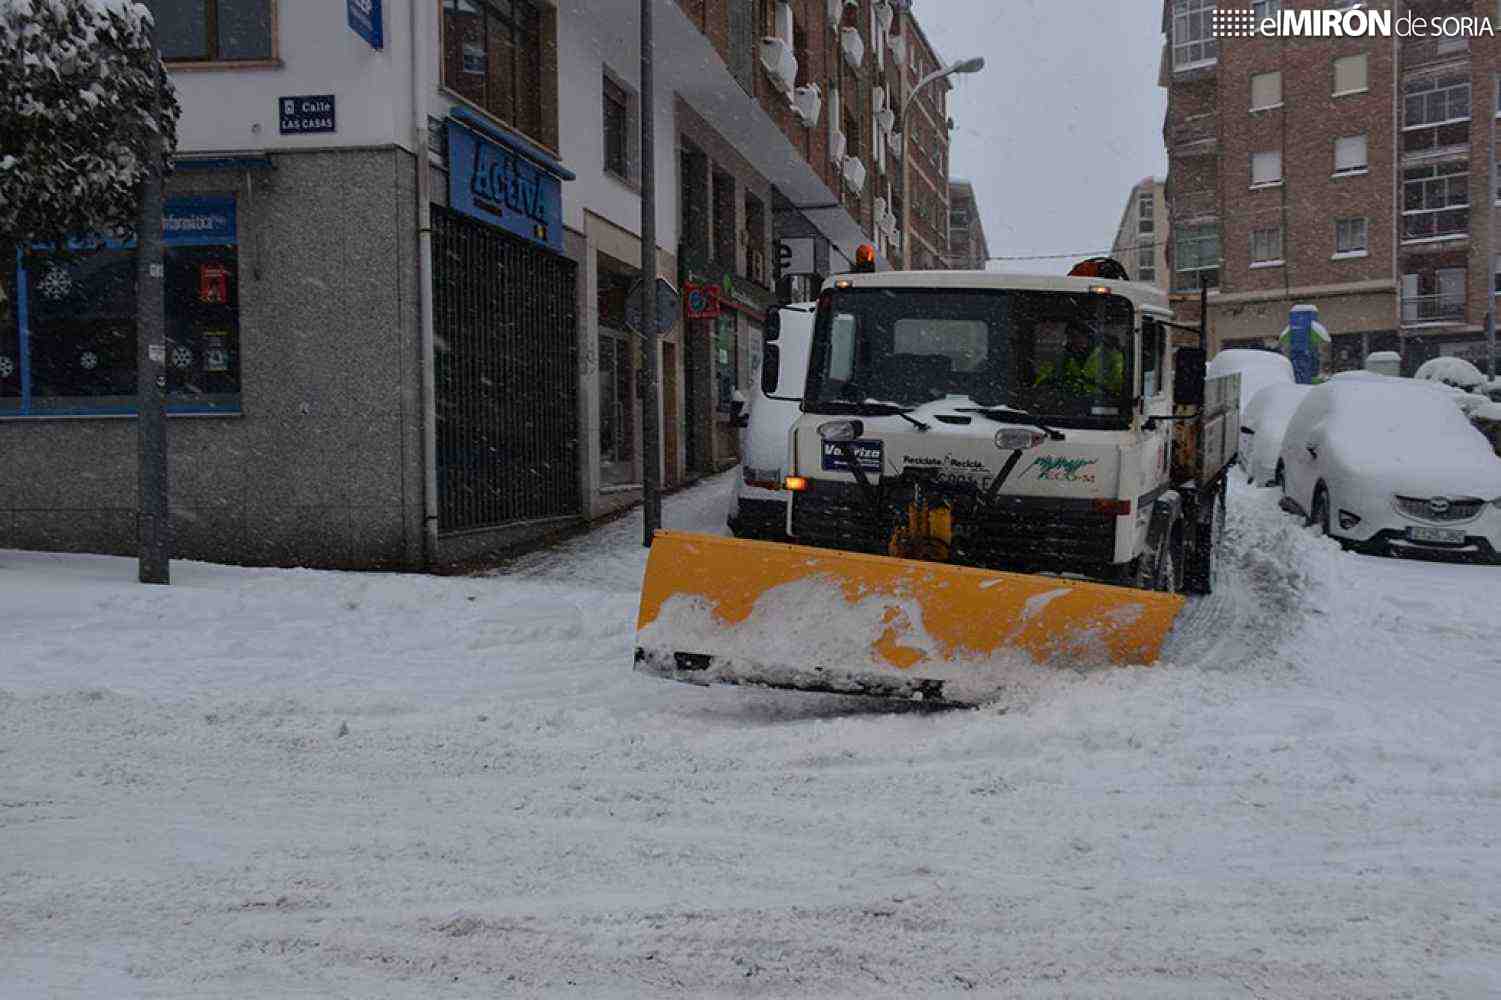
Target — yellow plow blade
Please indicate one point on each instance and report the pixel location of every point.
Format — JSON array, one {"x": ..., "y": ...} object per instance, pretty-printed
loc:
[{"x": 725, "y": 610}]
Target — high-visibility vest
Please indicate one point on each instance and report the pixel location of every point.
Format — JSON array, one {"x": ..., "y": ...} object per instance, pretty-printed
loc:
[{"x": 1101, "y": 370}]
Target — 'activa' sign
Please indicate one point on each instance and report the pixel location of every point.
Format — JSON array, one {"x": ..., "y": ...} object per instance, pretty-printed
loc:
[{"x": 499, "y": 186}]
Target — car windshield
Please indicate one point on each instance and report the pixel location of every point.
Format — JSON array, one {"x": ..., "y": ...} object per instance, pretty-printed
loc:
[{"x": 1055, "y": 354}]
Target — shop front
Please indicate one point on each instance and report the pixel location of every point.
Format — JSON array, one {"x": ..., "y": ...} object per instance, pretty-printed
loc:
[{"x": 505, "y": 357}]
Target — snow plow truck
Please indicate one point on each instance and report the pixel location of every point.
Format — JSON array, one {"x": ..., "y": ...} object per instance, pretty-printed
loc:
[{"x": 990, "y": 475}]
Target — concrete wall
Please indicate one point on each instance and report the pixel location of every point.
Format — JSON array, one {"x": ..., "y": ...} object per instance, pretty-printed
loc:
[
  {"x": 324, "y": 464},
  {"x": 317, "y": 53}
]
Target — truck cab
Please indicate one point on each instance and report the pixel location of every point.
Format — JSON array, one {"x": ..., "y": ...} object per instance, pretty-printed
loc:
[{"x": 1004, "y": 421}]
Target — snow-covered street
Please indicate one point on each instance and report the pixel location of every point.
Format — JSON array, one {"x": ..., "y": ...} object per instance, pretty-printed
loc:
[{"x": 283, "y": 783}]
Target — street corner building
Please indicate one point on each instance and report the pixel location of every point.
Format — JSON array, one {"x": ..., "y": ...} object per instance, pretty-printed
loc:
[
  {"x": 403, "y": 265},
  {"x": 1352, "y": 173}
]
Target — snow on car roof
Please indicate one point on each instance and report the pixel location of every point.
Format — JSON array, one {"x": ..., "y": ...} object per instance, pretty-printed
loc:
[
  {"x": 1456, "y": 371},
  {"x": 1405, "y": 437}
]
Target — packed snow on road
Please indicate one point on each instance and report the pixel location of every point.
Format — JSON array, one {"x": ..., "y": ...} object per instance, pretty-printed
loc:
[{"x": 294, "y": 783}]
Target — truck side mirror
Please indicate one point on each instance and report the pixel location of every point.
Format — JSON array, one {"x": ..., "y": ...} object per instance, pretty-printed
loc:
[
  {"x": 738, "y": 415},
  {"x": 1188, "y": 376}
]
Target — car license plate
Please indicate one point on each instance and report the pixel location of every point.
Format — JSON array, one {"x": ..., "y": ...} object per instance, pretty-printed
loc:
[{"x": 1445, "y": 536}]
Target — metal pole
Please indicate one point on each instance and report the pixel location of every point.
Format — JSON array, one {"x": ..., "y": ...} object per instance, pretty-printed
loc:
[
  {"x": 651, "y": 487},
  {"x": 1204, "y": 313},
  {"x": 154, "y": 527},
  {"x": 1490, "y": 340}
]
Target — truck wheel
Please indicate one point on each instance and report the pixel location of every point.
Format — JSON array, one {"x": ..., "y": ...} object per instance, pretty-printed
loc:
[
  {"x": 1159, "y": 569},
  {"x": 1202, "y": 571}
]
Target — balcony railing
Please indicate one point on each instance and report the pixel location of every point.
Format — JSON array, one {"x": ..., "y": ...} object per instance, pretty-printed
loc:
[
  {"x": 1192, "y": 206},
  {"x": 1194, "y": 135},
  {"x": 1439, "y": 308},
  {"x": 1418, "y": 52}
]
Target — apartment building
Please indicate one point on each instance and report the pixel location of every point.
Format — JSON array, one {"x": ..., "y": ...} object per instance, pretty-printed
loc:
[
  {"x": 967, "y": 247},
  {"x": 925, "y": 141},
  {"x": 402, "y": 241},
  {"x": 1141, "y": 238},
  {"x": 1338, "y": 172}
]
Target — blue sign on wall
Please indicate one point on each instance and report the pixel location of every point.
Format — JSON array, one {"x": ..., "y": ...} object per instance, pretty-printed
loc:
[
  {"x": 307, "y": 113},
  {"x": 494, "y": 184},
  {"x": 204, "y": 220},
  {"x": 364, "y": 18}
]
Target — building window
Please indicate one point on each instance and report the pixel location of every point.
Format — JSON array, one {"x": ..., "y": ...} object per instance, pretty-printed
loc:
[
  {"x": 726, "y": 360},
  {"x": 1266, "y": 245},
  {"x": 723, "y": 186},
  {"x": 1146, "y": 264},
  {"x": 1145, "y": 206},
  {"x": 1265, "y": 8},
  {"x": 1266, "y": 90},
  {"x": 1266, "y": 168},
  {"x": 215, "y": 30},
  {"x": 1436, "y": 296},
  {"x": 75, "y": 321},
  {"x": 1193, "y": 34},
  {"x": 1436, "y": 200},
  {"x": 620, "y": 110},
  {"x": 1350, "y": 75},
  {"x": 755, "y": 240},
  {"x": 1350, "y": 236},
  {"x": 1435, "y": 113},
  {"x": 1496, "y": 275},
  {"x": 1196, "y": 254},
  {"x": 1350, "y": 154},
  {"x": 493, "y": 57}
]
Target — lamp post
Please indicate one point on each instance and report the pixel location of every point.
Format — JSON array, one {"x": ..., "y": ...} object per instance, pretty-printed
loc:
[{"x": 963, "y": 66}]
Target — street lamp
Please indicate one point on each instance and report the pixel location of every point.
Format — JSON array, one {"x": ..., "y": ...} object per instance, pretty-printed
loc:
[{"x": 964, "y": 66}]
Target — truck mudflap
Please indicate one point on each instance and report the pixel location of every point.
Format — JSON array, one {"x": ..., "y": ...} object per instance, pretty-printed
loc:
[{"x": 722, "y": 610}]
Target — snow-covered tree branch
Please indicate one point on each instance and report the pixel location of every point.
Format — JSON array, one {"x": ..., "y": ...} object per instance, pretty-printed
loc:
[{"x": 77, "y": 116}]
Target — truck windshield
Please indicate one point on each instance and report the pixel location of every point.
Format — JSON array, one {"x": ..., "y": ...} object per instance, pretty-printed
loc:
[{"x": 1053, "y": 354}]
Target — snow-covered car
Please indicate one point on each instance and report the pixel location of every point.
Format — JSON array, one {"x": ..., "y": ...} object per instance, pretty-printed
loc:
[
  {"x": 758, "y": 502},
  {"x": 1456, "y": 372},
  {"x": 1384, "y": 363},
  {"x": 1261, "y": 428},
  {"x": 1392, "y": 468},
  {"x": 1257, "y": 369}
]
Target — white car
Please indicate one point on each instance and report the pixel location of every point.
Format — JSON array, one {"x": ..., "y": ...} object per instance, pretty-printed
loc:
[
  {"x": 1261, "y": 429},
  {"x": 1456, "y": 372},
  {"x": 1393, "y": 467},
  {"x": 758, "y": 502},
  {"x": 1257, "y": 369}
]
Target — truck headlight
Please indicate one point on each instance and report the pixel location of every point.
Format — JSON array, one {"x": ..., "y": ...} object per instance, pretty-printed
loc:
[{"x": 841, "y": 430}]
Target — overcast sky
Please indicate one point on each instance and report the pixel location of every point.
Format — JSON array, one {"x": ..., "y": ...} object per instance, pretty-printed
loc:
[{"x": 1065, "y": 118}]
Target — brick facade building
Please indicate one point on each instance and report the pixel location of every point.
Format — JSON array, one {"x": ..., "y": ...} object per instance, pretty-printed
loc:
[
  {"x": 967, "y": 247},
  {"x": 1338, "y": 172}
]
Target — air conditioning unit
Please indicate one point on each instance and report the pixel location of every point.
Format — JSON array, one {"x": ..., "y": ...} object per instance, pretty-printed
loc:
[
  {"x": 894, "y": 144},
  {"x": 880, "y": 209},
  {"x": 780, "y": 63},
  {"x": 809, "y": 104},
  {"x": 853, "y": 46},
  {"x": 877, "y": 98},
  {"x": 888, "y": 223},
  {"x": 854, "y": 174},
  {"x": 885, "y": 14},
  {"x": 837, "y": 143},
  {"x": 886, "y": 118}
]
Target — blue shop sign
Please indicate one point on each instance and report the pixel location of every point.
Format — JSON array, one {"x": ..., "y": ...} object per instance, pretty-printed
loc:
[
  {"x": 364, "y": 18},
  {"x": 498, "y": 185},
  {"x": 194, "y": 221}
]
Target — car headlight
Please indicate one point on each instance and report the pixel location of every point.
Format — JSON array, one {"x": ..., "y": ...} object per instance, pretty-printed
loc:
[{"x": 841, "y": 430}]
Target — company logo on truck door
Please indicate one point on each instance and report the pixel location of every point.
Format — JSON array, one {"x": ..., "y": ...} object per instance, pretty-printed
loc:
[
  {"x": 867, "y": 453},
  {"x": 1055, "y": 469}
]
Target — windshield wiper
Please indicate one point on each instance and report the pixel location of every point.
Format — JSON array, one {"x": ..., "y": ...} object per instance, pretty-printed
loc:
[
  {"x": 872, "y": 410},
  {"x": 1002, "y": 415}
]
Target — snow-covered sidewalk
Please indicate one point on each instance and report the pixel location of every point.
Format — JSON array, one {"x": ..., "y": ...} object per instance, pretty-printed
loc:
[{"x": 293, "y": 783}]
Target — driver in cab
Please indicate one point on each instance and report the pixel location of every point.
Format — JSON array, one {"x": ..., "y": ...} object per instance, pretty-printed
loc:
[{"x": 1079, "y": 370}]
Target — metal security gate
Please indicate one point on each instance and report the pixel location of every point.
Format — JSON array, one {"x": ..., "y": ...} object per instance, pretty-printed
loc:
[{"x": 506, "y": 369}]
